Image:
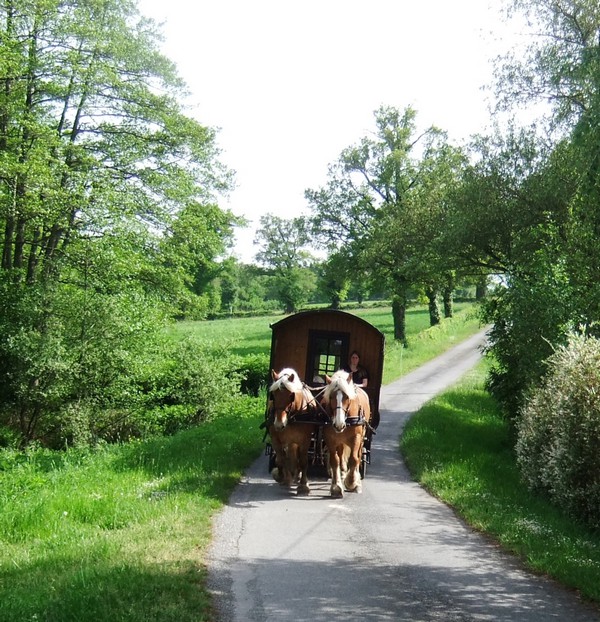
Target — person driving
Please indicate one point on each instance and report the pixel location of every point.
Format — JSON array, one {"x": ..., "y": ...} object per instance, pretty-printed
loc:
[{"x": 360, "y": 376}]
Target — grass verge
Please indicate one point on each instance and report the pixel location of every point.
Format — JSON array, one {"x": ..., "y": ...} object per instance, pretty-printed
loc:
[
  {"x": 460, "y": 449},
  {"x": 120, "y": 533}
]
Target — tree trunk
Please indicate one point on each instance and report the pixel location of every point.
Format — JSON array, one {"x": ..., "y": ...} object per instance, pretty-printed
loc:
[
  {"x": 9, "y": 231},
  {"x": 448, "y": 302},
  {"x": 434, "y": 309},
  {"x": 481, "y": 288},
  {"x": 399, "y": 304}
]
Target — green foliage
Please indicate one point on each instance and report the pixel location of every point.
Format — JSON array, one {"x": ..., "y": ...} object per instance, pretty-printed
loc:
[
  {"x": 101, "y": 367},
  {"x": 510, "y": 217},
  {"x": 283, "y": 251},
  {"x": 187, "y": 382},
  {"x": 382, "y": 207},
  {"x": 198, "y": 235},
  {"x": 560, "y": 64},
  {"x": 335, "y": 276},
  {"x": 558, "y": 444},
  {"x": 65, "y": 349},
  {"x": 107, "y": 213},
  {"x": 120, "y": 532},
  {"x": 530, "y": 207},
  {"x": 461, "y": 449},
  {"x": 528, "y": 316},
  {"x": 255, "y": 373}
]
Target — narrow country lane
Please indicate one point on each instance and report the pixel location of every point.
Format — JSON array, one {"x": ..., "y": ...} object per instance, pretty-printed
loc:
[{"x": 392, "y": 553}]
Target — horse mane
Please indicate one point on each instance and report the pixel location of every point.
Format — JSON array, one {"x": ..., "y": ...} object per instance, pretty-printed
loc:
[
  {"x": 339, "y": 381},
  {"x": 284, "y": 381}
]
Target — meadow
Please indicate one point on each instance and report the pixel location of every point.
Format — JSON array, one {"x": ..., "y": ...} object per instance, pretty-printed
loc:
[
  {"x": 120, "y": 532},
  {"x": 252, "y": 336}
]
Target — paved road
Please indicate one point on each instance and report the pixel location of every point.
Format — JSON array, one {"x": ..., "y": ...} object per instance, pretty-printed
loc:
[{"x": 393, "y": 553}]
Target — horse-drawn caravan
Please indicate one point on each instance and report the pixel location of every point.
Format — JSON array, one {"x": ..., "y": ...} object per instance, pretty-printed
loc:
[{"x": 317, "y": 419}]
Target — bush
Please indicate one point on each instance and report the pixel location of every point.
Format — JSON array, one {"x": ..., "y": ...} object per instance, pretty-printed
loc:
[
  {"x": 255, "y": 373},
  {"x": 558, "y": 443},
  {"x": 187, "y": 382},
  {"x": 174, "y": 386},
  {"x": 529, "y": 316}
]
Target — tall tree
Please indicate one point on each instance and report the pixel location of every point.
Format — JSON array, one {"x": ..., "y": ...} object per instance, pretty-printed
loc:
[
  {"x": 98, "y": 158},
  {"x": 91, "y": 129},
  {"x": 335, "y": 276},
  {"x": 554, "y": 264},
  {"x": 283, "y": 250},
  {"x": 370, "y": 203}
]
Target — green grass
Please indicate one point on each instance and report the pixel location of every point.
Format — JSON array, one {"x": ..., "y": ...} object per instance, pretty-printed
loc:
[
  {"x": 460, "y": 449},
  {"x": 120, "y": 533},
  {"x": 246, "y": 336}
]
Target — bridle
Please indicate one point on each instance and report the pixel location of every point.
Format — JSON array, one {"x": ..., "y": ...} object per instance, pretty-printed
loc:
[{"x": 359, "y": 419}]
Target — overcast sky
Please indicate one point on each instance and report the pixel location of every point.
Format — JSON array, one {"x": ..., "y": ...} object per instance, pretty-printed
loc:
[{"x": 290, "y": 83}]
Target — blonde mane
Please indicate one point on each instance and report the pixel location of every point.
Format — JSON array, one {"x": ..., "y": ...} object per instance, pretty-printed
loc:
[
  {"x": 339, "y": 382},
  {"x": 293, "y": 386}
]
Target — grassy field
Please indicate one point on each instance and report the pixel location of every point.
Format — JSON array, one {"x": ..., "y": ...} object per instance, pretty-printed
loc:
[
  {"x": 119, "y": 533},
  {"x": 459, "y": 448},
  {"x": 253, "y": 335}
]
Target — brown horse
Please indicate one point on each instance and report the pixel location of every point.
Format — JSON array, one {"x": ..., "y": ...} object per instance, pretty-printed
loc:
[
  {"x": 349, "y": 412},
  {"x": 289, "y": 399}
]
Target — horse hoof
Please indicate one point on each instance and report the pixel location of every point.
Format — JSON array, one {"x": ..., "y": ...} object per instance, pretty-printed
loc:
[
  {"x": 303, "y": 491},
  {"x": 337, "y": 492}
]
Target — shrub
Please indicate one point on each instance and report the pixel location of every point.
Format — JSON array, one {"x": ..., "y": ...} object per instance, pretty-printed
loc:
[
  {"x": 187, "y": 382},
  {"x": 173, "y": 386},
  {"x": 530, "y": 314},
  {"x": 255, "y": 373},
  {"x": 558, "y": 443}
]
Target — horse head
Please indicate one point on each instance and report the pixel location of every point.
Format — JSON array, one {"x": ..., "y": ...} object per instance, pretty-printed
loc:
[
  {"x": 286, "y": 395},
  {"x": 340, "y": 398}
]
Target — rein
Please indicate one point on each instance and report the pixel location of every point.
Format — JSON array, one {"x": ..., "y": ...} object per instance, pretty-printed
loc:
[
  {"x": 314, "y": 413},
  {"x": 350, "y": 421}
]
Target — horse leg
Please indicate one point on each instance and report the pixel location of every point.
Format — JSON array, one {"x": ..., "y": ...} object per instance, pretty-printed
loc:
[
  {"x": 352, "y": 481},
  {"x": 292, "y": 457},
  {"x": 336, "y": 489},
  {"x": 278, "y": 471},
  {"x": 344, "y": 458},
  {"x": 303, "y": 487},
  {"x": 332, "y": 441},
  {"x": 287, "y": 466}
]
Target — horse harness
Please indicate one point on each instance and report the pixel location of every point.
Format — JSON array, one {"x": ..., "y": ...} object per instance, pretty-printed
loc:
[{"x": 315, "y": 411}]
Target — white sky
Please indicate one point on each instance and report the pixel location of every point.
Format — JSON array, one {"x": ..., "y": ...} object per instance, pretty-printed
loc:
[{"x": 290, "y": 83}]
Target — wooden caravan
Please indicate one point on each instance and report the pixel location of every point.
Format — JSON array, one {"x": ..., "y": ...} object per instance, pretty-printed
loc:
[{"x": 319, "y": 342}]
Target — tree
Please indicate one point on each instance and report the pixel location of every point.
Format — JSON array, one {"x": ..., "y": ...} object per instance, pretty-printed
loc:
[
  {"x": 372, "y": 202},
  {"x": 335, "y": 277},
  {"x": 188, "y": 253},
  {"x": 282, "y": 250},
  {"x": 509, "y": 218},
  {"x": 98, "y": 160},
  {"x": 560, "y": 65},
  {"x": 551, "y": 256}
]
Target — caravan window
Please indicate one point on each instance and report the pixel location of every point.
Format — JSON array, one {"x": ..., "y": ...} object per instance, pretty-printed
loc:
[{"x": 328, "y": 351}]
